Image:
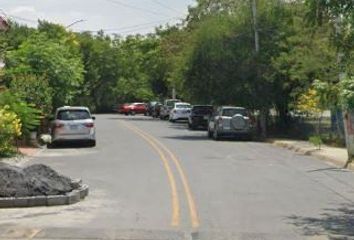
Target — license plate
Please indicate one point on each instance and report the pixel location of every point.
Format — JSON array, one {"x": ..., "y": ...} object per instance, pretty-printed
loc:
[{"x": 73, "y": 127}]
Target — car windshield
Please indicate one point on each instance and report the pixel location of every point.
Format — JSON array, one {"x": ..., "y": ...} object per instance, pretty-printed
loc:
[
  {"x": 202, "y": 110},
  {"x": 183, "y": 106},
  {"x": 67, "y": 115},
  {"x": 229, "y": 112}
]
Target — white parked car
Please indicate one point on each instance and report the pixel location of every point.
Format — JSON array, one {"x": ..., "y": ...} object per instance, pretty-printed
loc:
[
  {"x": 180, "y": 111},
  {"x": 73, "y": 124}
]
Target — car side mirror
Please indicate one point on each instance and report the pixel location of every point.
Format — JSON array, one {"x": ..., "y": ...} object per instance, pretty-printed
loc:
[{"x": 93, "y": 118}]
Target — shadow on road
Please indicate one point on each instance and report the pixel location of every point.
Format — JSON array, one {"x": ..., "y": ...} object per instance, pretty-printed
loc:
[
  {"x": 65, "y": 145},
  {"x": 334, "y": 169},
  {"x": 188, "y": 137},
  {"x": 178, "y": 125},
  {"x": 203, "y": 137},
  {"x": 135, "y": 118},
  {"x": 338, "y": 223}
]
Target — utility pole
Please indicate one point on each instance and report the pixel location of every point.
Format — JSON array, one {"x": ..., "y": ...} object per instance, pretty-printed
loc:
[
  {"x": 348, "y": 114},
  {"x": 173, "y": 92},
  {"x": 255, "y": 25},
  {"x": 263, "y": 110}
]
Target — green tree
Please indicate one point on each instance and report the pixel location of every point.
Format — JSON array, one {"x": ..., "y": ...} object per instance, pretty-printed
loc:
[
  {"x": 101, "y": 64},
  {"x": 34, "y": 90},
  {"x": 40, "y": 55}
]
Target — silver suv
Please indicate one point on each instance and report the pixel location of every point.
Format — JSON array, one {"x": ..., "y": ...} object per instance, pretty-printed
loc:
[
  {"x": 73, "y": 124},
  {"x": 230, "y": 121}
]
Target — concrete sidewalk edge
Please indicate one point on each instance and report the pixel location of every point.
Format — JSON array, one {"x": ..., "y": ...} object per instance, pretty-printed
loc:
[{"x": 311, "y": 151}]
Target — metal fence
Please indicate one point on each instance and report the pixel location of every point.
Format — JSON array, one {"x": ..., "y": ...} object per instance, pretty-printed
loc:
[{"x": 330, "y": 128}]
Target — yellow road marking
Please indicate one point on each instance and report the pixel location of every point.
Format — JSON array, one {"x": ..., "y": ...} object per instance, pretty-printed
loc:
[
  {"x": 174, "y": 194},
  {"x": 191, "y": 203}
]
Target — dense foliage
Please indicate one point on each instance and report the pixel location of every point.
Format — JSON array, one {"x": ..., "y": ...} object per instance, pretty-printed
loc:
[
  {"x": 209, "y": 58},
  {"x": 10, "y": 129}
]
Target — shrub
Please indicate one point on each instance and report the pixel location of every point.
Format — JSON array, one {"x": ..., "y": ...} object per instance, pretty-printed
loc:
[
  {"x": 10, "y": 128},
  {"x": 28, "y": 114},
  {"x": 317, "y": 141}
]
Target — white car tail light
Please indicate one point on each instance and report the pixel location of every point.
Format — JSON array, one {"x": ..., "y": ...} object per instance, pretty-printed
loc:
[{"x": 89, "y": 125}]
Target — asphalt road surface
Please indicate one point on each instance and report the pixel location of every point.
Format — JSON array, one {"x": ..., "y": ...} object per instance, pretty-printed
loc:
[{"x": 151, "y": 179}]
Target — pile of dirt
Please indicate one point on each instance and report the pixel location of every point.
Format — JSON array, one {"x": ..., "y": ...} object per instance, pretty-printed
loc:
[{"x": 34, "y": 180}]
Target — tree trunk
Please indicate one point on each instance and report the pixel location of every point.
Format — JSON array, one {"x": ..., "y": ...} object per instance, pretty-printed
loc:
[
  {"x": 263, "y": 122},
  {"x": 339, "y": 121},
  {"x": 349, "y": 133}
]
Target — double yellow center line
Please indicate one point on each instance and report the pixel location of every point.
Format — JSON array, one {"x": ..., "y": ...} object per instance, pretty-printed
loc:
[{"x": 167, "y": 157}]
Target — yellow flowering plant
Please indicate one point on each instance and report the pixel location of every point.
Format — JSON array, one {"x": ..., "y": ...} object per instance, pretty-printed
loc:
[{"x": 10, "y": 129}]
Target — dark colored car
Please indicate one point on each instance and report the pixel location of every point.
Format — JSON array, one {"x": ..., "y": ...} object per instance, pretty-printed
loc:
[
  {"x": 156, "y": 110},
  {"x": 199, "y": 116},
  {"x": 151, "y": 107}
]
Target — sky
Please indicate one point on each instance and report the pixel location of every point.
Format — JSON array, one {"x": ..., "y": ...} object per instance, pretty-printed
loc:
[{"x": 122, "y": 17}]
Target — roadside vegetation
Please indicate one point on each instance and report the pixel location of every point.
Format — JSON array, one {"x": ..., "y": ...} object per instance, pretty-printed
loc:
[{"x": 209, "y": 58}]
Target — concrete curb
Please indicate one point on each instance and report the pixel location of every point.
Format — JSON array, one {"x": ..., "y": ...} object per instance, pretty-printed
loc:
[
  {"x": 56, "y": 200},
  {"x": 310, "y": 151}
]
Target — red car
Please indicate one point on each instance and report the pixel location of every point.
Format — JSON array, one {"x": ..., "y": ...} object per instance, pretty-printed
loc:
[
  {"x": 123, "y": 108},
  {"x": 133, "y": 108}
]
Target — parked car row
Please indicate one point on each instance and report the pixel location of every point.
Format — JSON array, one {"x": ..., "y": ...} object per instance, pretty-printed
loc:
[{"x": 223, "y": 121}]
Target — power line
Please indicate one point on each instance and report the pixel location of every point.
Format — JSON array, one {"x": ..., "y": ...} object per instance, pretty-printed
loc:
[
  {"x": 16, "y": 17},
  {"x": 135, "y": 7},
  {"x": 134, "y": 26},
  {"x": 23, "y": 19},
  {"x": 165, "y": 6}
]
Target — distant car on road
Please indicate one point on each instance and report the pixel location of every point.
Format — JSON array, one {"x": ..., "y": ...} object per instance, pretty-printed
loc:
[
  {"x": 180, "y": 111},
  {"x": 155, "y": 113},
  {"x": 167, "y": 107},
  {"x": 123, "y": 108},
  {"x": 73, "y": 124},
  {"x": 151, "y": 107},
  {"x": 133, "y": 108},
  {"x": 230, "y": 121},
  {"x": 199, "y": 116}
]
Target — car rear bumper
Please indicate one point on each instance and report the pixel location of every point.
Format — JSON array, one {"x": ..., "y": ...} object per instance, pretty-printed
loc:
[
  {"x": 73, "y": 137},
  {"x": 199, "y": 121},
  {"x": 179, "y": 116},
  {"x": 232, "y": 132}
]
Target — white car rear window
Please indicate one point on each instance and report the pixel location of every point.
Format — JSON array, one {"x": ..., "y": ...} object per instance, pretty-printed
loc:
[{"x": 67, "y": 115}]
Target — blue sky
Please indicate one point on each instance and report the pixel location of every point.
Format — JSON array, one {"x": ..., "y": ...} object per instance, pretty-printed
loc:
[{"x": 117, "y": 16}]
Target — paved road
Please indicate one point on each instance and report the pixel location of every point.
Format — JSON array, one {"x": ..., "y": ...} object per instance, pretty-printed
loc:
[{"x": 151, "y": 179}]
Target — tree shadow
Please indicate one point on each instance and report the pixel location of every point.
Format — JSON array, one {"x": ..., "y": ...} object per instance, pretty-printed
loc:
[
  {"x": 135, "y": 118},
  {"x": 336, "y": 223},
  {"x": 333, "y": 169}
]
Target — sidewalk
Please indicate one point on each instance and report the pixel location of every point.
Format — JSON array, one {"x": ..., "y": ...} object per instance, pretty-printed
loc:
[
  {"x": 333, "y": 155},
  {"x": 25, "y": 154},
  {"x": 29, "y": 151}
]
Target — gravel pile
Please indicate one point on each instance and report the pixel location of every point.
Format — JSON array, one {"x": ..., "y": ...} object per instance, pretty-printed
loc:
[{"x": 34, "y": 180}]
